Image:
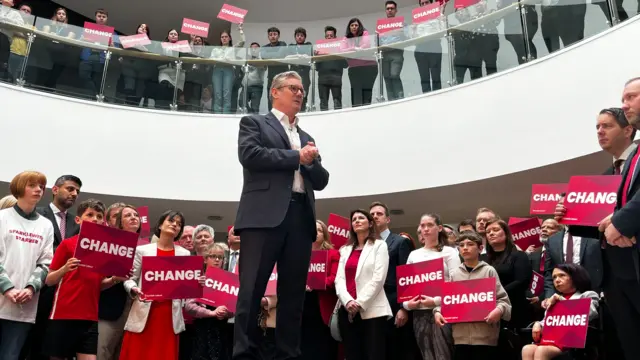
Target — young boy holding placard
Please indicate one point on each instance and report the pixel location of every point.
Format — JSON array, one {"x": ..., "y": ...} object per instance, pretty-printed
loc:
[
  {"x": 478, "y": 340},
  {"x": 73, "y": 329}
]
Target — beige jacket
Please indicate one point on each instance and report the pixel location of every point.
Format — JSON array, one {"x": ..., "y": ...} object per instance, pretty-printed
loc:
[
  {"x": 140, "y": 310},
  {"x": 480, "y": 333}
]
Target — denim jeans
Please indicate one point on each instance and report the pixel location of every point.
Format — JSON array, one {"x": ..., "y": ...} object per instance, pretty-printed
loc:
[
  {"x": 12, "y": 337},
  {"x": 15, "y": 65},
  {"x": 222, "y": 82}
]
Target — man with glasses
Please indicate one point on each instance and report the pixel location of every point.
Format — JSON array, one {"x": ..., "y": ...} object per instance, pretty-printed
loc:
[{"x": 276, "y": 216}]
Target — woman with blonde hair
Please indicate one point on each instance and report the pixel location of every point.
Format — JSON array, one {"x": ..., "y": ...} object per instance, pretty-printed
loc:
[{"x": 7, "y": 202}]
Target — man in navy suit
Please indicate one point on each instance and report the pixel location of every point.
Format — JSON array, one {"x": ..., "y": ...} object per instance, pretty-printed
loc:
[
  {"x": 622, "y": 258},
  {"x": 276, "y": 217}
]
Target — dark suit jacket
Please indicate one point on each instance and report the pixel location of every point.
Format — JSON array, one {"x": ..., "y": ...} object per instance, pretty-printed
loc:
[
  {"x": 590, "y": 259},
  {"x": 269, "y": 165},
  {"x": 72, "y": 228},
  {"x": 624, "y": 262},
  {"x": 399, "y": 251}
]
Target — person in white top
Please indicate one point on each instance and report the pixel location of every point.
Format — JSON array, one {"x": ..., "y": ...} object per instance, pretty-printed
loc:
[
  {"x": 224, "y": 70},
  {"x": 435, "y": 342},
  {"x": 26, "y": 250}
]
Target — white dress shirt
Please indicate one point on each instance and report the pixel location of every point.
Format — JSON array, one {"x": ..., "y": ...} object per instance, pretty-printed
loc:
[
  {"x": 58, "y": 218},
  {"x": 294, "y": 139},
  {"x": 385, "y": 234},
  {"x": 576, "y": 247}
]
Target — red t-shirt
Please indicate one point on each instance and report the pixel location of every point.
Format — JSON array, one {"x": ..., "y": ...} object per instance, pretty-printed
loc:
[
  {"x": 78, "y": 292},
  {"x": 350, "y": 269}
]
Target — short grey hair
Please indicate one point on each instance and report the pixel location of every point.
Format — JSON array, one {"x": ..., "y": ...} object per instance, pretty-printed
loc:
[
  {"x": 206, "y": 228},
  {"x": 279, "y": 80}
]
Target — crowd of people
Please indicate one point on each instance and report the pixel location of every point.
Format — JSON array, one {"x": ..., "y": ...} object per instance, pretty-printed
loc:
[{"x": 219, "y": 88}]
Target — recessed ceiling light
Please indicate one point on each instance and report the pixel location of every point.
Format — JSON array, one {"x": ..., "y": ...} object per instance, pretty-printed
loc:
[
  {"x": 396, "y": 212},
  {"x": 214, "y": 217}
]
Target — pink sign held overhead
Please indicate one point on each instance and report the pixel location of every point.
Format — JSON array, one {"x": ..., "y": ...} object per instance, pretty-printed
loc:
[
  {"x": 566, "y": 324},
  {"x": 338, "y": 230},
  {"x": 545, "y": 197},
  {"x": 389, "y": 24},
  {"x": 426, "y": 13},
  {"x": 526, "y": 233},
  {"x": 220, "y": 289},
  {"x": 232, "y": 14},
  {"x": 134, "y": 40},
  {"x": 179, "y": 46},
  {"x": 143, "y": 212},
  {"x": 329, "y": 46},
  {"x": 468, "y": 300},
  {"x": 537, "y": 284},
  {"x": 105, "y": 250},
  {"x": 590, "y": 199},
  {"x": 459, "y": 4},
  {"x": 317, "y": 275},
  {"x": 171, "y": 277},
  {"x": 99, "y": 34},
  {"x": 423, "y": 278},
  {"x": 195, "y": 27}
]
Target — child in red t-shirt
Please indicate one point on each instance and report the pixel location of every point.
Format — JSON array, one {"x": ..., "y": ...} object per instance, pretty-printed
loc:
[{"x": 73, "y": 326}]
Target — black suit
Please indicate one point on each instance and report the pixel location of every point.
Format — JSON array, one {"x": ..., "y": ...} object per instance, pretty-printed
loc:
[
  {"x": 276, "y": 226},
  {"x": 72, "y": 228},
  {"x": 622, "y": 280},
  {"x": 590, "y": 259}
]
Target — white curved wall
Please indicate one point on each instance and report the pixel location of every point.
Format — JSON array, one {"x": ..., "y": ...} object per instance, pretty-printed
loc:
[{"x": 539, "y": 114}]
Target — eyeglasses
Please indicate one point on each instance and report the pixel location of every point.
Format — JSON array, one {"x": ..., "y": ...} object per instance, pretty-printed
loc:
[
  {"x": 216, "y": 257},
  {"x": 294, "y": 89}
]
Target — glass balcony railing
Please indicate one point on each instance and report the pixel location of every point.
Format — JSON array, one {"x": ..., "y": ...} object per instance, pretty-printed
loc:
[{"x": 444, "y": 46}]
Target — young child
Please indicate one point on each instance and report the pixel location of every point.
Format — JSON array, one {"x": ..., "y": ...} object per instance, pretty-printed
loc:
[
  {"x": 571, "y": 282},
  {"x": 476, "y": 340}
]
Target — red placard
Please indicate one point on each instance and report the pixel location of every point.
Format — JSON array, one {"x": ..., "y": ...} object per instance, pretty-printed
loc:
[
  {"x": 526, "y": 233},
  {"x": 537, "y": 284},
  {"x": 338, "y": 230},
  {"x": 423, "y": 278},
  {"x": 134, "y": 40},
  {"x": 180, "y": 46},
  {"x": 329, "y": 46},
  {"x": 171, "y": 277},
  {"x": 232, "y": 14},
  {"x": 317, "y": 276},
  {"x": 105, "y": 250},
  {"x": 389, "y": 24},
  {"x": 566, "y": 323},
  {"x": 272, "y": 285},
  {"x": 143, "y": 241},
  {"x": 545, "y": 197},
  {"x": 195, "y": 27},
  {"x": 468, "y": 300},
  {"x": 220, "y": 289},
  {"x": 590, "y": 199},
  {"x": 459, "y": 4},
  {"x": 145, "y": 228},
  {"x": 100, "y": 34},
  {"x": 426, "y": 13}
]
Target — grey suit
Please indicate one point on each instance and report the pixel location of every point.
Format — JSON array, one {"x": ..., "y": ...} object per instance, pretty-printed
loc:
[
  {"x": 590, "y": 259},
  {"x": 276, "y": 226}
]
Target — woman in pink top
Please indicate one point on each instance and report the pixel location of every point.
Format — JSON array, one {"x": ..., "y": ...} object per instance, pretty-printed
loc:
[{"x": 363, "y": 68}]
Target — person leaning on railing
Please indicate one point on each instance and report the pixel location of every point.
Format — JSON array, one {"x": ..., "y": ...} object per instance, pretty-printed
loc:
[
  {"x": 18, "y": 50},
  {"x": 10, "y": 16},
  {"x": 223, "y": 73},
  {"x": 57, "y": 51},
  {"x": 330, "y": 76},
  {"x": 254, "y": 78},
  {"x": 275, "y": 49},
  {"x": 362, "y": 73},
  {"x": 302, "y": 49}
]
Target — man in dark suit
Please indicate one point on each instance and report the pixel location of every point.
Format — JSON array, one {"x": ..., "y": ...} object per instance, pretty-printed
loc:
[
  {"x": 622, "y": 260},
  {"x": 400, "y": 339},
  {"x": 276, "y": 216}
]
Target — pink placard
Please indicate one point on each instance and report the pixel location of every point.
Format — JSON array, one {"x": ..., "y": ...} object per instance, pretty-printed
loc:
[
  {"x": 195, "y": 27},
  {"x": 105, "y": 250},
  {"x": 590, "y": 199},
  {"x": 545, "y": 197},
  {"x": 459, "y": 4},
  {"x": 423, "y": 278},
  {"x": 329, "y": 46},
  {"x": 171, "y": 277},
  {"x": 220, "y": 289},
  {"x": 180, "y": 46},
  {"x": 566, "y": 323},
  {"x": 317, "y": 275},
  {"x": 145, "y": 228},
  {"x": 468, "y": 300},
  {"x": 537, "y": 284},
  {"x": 389, "y": 24},
  {"x": 143, "y": 241},
  {"x": 100, "y": 34},
  {"x": 526, "y": 233},
  {"x": 134, "y": 40},
  {"x": 338, "y": 230},
  {"x": 272, "y": 285},
  {"x": 426, "y": 13},
  {"x": 232, "y": 14}
]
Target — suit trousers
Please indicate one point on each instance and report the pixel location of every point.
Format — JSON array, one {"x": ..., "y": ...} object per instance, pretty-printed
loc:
[
  {"x": 288, "y": 245},
  {"x": 362, "y": 339},
  {"x": 562, "y": 22},
  {"x": 429, "y": 68}
]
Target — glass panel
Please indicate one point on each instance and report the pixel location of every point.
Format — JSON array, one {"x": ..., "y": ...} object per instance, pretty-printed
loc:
[
  {"x": 331, "y": 74},
  {"x": 13, "y": 41}
]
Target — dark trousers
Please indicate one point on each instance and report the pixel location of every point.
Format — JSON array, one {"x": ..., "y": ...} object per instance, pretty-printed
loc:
[
  {"x": 288, "y": 245},
  {"x": 392, "y": 62},
  {"x": 362, "y": 339},
  {"x": 401, "y": 342},
  {"x": 90, "y": 72},
  {"x": 466, "y": 352},
  {"x": 362, "y": 79},
  {"x": 622, "y": 298},
  {"x": 430, "y": 68},
  {"x": 254, "y": 96},
  {"x": 562, "y": 22},
  {"x": 621, "y": 12},
  {"x": 317, "y": 343},
  {"x": 516, "y": 34},
  {"x": 336, "y": 94}
]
